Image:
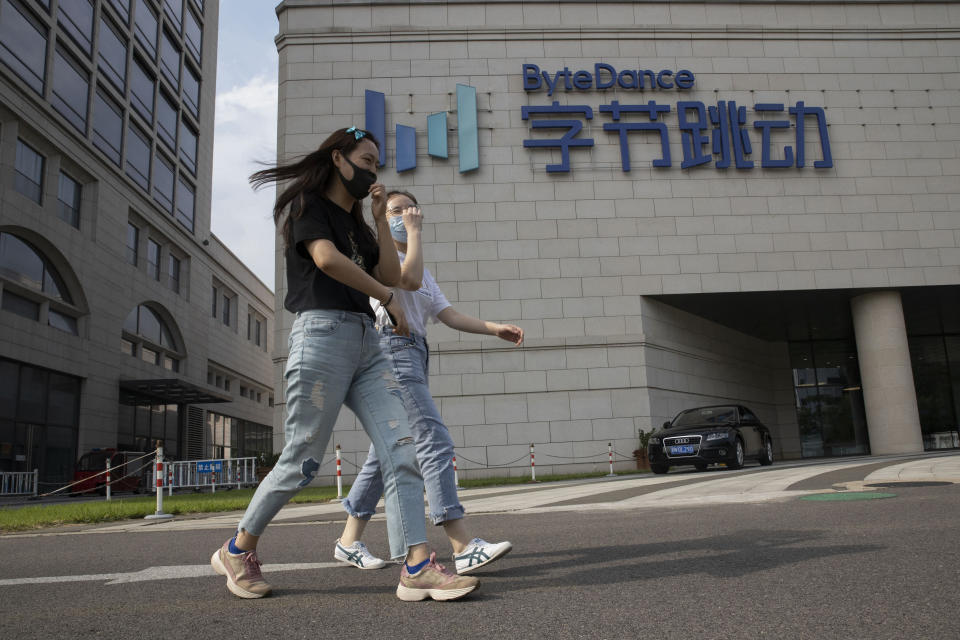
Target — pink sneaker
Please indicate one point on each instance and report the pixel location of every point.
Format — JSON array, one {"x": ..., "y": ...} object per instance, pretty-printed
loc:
[
  {"x": 244, "y": 578},
  {"x": 434, "y": 581}
]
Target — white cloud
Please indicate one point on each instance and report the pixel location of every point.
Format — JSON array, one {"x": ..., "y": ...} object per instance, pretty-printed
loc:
[{"x": 245, "y": 137}]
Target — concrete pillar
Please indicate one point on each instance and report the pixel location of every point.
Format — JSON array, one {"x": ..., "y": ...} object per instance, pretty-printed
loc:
[{"x": 889, "y": 396}]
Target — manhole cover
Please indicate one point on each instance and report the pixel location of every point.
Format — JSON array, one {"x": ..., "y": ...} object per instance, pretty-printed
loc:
[
  {"x": 909, "y": 484},
  {"x": 848, "y": 495}
]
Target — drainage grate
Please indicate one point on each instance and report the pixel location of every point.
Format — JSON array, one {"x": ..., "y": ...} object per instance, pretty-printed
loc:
[{"x": 848, "y": 495}]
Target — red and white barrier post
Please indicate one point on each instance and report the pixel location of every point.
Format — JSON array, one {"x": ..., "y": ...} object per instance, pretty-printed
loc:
[
  {"x": 108, "y": 478},
  {"x": 456, "y": 480},
  {"x": 533, "y": 466},
  {"x": 159, "y": 515},
  {"x": 339, "y": 477},
  {"x": 610, "y": 455}
]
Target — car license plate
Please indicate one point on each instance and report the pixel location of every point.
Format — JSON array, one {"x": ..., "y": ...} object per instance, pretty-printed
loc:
[{"x": 683, "y": 449}]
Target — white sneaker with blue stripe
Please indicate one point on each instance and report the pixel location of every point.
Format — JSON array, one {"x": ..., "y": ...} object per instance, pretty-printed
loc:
[
  {"x": 357, "y": 555},
  {"x": 479, "y": 553}
]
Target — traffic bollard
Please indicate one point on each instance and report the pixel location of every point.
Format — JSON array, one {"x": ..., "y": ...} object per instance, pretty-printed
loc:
[
  {"x": 339, "y": 478},
  {"x": 159, "y": 515}
]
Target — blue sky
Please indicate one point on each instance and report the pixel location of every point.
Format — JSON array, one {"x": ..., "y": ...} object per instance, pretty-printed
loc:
[{"x": 245, "y": 131}]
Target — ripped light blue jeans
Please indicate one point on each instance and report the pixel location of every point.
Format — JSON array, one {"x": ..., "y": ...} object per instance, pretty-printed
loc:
[
  {"x": 335, "y": 359},
  {"x": 411, "y": 363}
]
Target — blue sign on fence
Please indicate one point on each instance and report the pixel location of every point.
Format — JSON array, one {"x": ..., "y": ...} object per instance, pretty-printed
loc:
[{"x": 210, "y": 466}]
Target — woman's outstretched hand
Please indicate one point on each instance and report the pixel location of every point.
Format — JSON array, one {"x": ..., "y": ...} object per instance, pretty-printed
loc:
[{"x": 510, "y": 333}]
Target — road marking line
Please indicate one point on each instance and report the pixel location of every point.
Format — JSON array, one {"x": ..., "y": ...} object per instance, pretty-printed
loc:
[{"x": 161, "y": 573}]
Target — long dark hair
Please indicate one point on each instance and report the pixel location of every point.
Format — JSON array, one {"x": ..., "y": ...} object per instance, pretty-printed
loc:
[{"x": 308, "y": 178}]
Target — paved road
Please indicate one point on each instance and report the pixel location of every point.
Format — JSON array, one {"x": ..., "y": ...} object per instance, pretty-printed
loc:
[{"x": 711, "y": 555}]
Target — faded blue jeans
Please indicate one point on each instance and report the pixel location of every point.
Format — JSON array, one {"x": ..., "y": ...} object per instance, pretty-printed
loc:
[
  {"x": 411, "y": 364},
  {"x": 335, "y": 359}
]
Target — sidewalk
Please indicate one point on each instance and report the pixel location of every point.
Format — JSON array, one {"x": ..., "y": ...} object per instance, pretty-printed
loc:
[{"x": 680, "y": 488}]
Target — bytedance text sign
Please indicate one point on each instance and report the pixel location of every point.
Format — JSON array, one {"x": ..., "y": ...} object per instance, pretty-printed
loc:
[{"x": 726, "y": 122}]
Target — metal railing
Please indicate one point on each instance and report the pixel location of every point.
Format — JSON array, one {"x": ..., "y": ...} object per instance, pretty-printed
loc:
[
  {"x": 199, "y": 474},
  {"x": 19, "y": 483}
]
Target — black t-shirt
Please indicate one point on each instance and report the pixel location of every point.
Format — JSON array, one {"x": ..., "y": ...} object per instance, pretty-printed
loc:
[{"x": 307, "y": 286}]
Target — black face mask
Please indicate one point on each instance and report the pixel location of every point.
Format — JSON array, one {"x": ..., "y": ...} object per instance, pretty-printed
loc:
[{"x": 359, "y": 185}]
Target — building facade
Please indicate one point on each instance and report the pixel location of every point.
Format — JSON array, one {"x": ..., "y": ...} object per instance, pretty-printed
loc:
[
  {"x": 682, "y": 204},
  {"x": 123, "y": 320}
]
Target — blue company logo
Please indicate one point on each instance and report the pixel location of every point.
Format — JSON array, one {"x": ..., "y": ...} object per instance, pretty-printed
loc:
[
  {"x": 723, "y": 127},
  {"x": 406, "y": 151},
  {"x": 604, "y": 76}
]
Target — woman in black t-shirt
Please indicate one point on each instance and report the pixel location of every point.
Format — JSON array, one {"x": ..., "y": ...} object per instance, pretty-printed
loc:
[{"x": 335, "y": 263}]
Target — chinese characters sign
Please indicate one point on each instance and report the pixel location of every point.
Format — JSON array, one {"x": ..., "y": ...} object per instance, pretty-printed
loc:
[{"x": 717, "y": 133}]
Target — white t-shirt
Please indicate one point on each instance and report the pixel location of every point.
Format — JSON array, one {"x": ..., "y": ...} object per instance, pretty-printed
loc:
[{"x": 419, "y": 306}]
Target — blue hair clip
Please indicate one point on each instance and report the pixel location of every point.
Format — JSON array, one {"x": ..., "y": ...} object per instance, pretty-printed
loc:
[{"x": 357, "y": 133}]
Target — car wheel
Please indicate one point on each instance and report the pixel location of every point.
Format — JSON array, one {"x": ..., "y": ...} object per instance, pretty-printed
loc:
[
  {"x": 737, "y": 461},
  {"x": 766, "y": 457},
  {"x": 659, "y": 468},
  {"x": 701, "y": 466}
]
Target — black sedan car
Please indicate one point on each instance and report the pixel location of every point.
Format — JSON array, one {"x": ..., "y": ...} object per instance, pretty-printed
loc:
[{"x": 706, "y": 435}]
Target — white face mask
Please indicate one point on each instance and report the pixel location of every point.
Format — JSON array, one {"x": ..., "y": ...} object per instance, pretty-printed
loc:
[{"x": 397, "y": 230}]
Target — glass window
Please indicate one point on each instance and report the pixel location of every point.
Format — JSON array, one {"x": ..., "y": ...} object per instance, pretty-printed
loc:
[
  {"x": 23, "y": 44},
  {"x": 107, "y": 125},
  {"x": 133, "y": 242},
  {"x": 20, "y": 305},
  {"x": 214, "y": 308},
  {"x": 28, "y": 177},
  {"x": 127, "y": 347},
  {"x": 226, "y": 310},
  {"x": 153, "y": 259},
  {"x": 249, "y": 325},
  {"x": 146, "y": 28},
  {"x": 163, "y": 183},
  {"x": 933, "y": 381},
  {"x": 20, "y": 263},
  {"x": 25, "y": 265},
  {"x": 185, "y": 204},
  {"x": 191, "y": 91},
  {"x": 171, "y": 364},
  {"x": 188, "y": 147},
  {"x": 64, "y": 323},
  {"x": 170, "y": 60},
  {"x": 9, "y": 373},
  {"x": 123, "y": 9},
  {"x": 62, "y": 399},
  {"x": 144, "y": 322},
  {"x": 257, "y": 335},
  {"x": 68, "y": 200},
  {"x": 138, "y": 156},
  {"x": 167, "y": 121},
  {"x": 173, "y": 273},
  {"x": 33, "y": 394},
  {"x": 112, "y": 54},
  {"x": 141, "y": 90},
  {"x": 149, "y": 355},
  {"x": 174, "y": 11},
  {"x": 193, "y": 33},
  {"x": 76, "y": 18},
  {"x": 71, "y": 85}
]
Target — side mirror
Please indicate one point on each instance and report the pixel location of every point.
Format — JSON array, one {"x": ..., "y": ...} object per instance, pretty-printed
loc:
[{"x": 666, "y": 425}]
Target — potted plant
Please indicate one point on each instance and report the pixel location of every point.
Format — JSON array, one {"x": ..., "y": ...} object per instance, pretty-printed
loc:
[{"x": 640, "y": 454}]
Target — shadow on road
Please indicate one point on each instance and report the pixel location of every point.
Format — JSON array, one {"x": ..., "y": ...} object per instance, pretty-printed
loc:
[{"x": 725, "y": 556}]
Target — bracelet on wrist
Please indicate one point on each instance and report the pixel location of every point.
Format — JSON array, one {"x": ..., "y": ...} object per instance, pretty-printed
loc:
[{"x": 388, "y": 300}]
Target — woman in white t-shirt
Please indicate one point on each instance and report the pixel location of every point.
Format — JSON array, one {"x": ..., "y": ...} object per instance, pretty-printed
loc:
[{"x": 421, "y": 300}]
